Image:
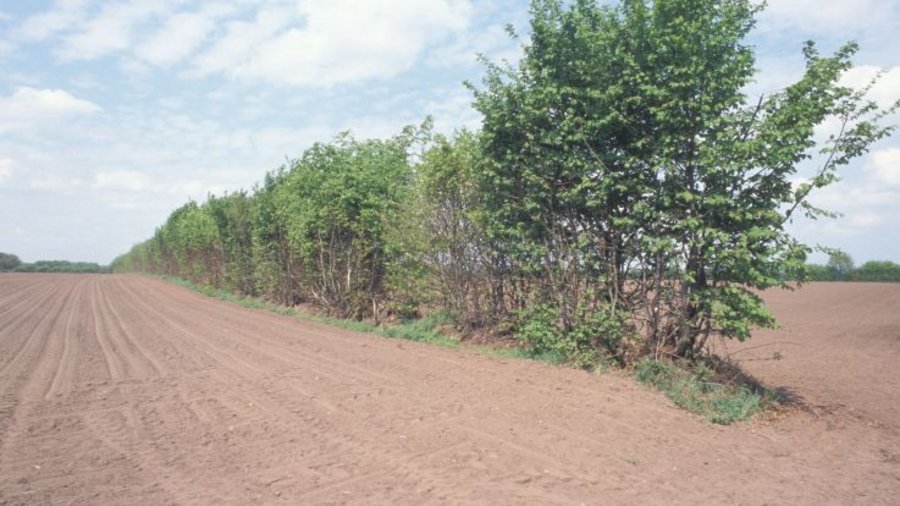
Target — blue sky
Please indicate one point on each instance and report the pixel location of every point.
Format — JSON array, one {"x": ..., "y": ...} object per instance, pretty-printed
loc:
[{"x": 113, "y": 113}]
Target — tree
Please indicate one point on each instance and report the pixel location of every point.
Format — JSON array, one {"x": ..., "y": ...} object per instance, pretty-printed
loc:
[
  {"x": 448, "y": 203},
  {"x": 628, "y": 172},
  {"x": 878, "y": 271},
  {"x": 9, "y": 262},
  {"x": 233, "y": 214},
  {"x": 337, "y": 204},
  {"x": 840, "y": 265}
]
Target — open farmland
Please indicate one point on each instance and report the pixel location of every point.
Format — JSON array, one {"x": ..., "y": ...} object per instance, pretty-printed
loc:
[{"x": 127, "y": 390}]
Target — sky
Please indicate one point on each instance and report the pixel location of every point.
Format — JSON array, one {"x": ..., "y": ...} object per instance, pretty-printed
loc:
[{"x": 114, "y": 113}]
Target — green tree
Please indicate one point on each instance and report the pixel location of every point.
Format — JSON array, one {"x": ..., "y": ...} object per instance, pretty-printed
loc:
[
  {"x": 448, "y": 207},
  {"x": 629, "y": 172},
  {"x": 878, "y": 271},
  {"x": 338, "y": 203},
  {"x": 270, "y": 244},
  {"x": 233, "y": 215}
]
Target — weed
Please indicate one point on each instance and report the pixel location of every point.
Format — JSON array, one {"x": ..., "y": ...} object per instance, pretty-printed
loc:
[{"x": 698, "y": 389}]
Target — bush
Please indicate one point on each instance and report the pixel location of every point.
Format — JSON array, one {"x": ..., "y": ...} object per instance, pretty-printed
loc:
[
  {"x": 878, "y": 271},
  {"x": 594, "y": 336}
]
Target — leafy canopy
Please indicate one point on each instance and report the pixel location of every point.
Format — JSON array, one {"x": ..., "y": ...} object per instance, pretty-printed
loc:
[{"x": 623, "y": 148}]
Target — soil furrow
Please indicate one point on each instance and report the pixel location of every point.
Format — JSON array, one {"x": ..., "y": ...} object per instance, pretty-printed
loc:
[{"x": 128, "y": 390}]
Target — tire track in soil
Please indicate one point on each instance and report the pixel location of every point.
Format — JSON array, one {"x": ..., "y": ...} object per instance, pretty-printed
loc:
[
  {"x": 12, "y": 338},
  {"x": 16, "y": 299},
  {"x": 456, "y": 369},
  {"x": 496, "y": 438},
  {"x": 26, "y": 377},
  {"x": 256, "y": 343},
  {"x": 351, "y": 343},
  {"x": 142, "y": 361},
  {"x": 329, "y": 408},
  {"x": 69, "y": 360},
  {"x": 647, "y": 426},
  {"x": 199, "y": 402},
  {"x": 36, "y": 340}
]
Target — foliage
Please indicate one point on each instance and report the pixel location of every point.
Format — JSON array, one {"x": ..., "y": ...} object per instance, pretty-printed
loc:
[
  {"x": 337, "y": 203},
  {"x": 872, "y": 271},
  {"x": 62, "y": 266},
  {"x": 623, "y": 199},
  {"x": 594, "y": 335},
  {"x": 9, "y": 262},
  {"x": 878, "y": 271},
  {"x": 447, "y": 208},
  {"x": 627, "y": 169},
  {"x": 321, "y": 230}
]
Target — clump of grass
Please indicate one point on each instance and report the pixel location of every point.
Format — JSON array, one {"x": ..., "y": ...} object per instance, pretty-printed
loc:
[{"x": 699, "y": 389}]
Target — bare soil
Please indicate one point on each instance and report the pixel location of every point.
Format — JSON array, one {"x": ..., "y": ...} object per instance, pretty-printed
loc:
[{"x": 126, "y": 390}]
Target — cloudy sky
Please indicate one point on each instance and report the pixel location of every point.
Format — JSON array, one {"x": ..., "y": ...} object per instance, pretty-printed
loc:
[{"x": 113, "y": 113}]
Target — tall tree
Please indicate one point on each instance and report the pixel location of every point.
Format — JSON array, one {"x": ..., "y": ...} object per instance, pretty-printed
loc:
[{"x": 629, "y": 171}]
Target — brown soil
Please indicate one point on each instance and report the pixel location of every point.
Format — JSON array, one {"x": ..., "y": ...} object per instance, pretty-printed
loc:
[{"x": 125, "y": 390}]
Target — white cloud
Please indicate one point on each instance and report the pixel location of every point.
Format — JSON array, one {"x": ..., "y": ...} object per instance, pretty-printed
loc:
[
  {"x": 57, "y": 184},
  {"x": 835, "y": 16},
  {"x": 121, "y": 180},
  {"x": 110, "y": 31},
  {"x": 242, "y": 38},
  {"x": 180, "y": 36},
  {"x": 29, "y": 108},
  {"x": 6, "y": 169},
  {"x": 347, "y": 41},
  {"x": 865, "y": 219},
  {"x": 885, "y": 166},
  {"x": 303, "y": 43},
  {"x": 64, "y": 15},
  {"x": 492, "y": 41},
  {"x": 452, "y": 110},
  {"x": 867, "y": 201},
  {"x": 886, "y": 90}
]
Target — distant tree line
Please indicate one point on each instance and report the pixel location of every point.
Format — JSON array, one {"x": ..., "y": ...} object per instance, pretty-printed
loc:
[
  {"x": 11, "y": 263},
  {"x": 623, "y": 197},
  {"x": 840, "y": 267}
]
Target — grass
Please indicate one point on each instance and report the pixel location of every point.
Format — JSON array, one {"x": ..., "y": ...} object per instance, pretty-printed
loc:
[
  {"x": 703, "y": 389},
  {"x": 424, "y": 330}
]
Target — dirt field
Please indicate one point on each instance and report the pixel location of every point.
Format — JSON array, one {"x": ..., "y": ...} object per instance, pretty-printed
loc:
[{"x": 124, "y": 390}]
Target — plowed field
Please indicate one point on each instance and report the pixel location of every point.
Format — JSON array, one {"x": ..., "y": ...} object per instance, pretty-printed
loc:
[{"x": 127, "y": 390}]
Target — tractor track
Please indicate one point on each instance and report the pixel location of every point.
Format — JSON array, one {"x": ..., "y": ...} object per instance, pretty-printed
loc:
[{"x": 128, "y": 390}]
